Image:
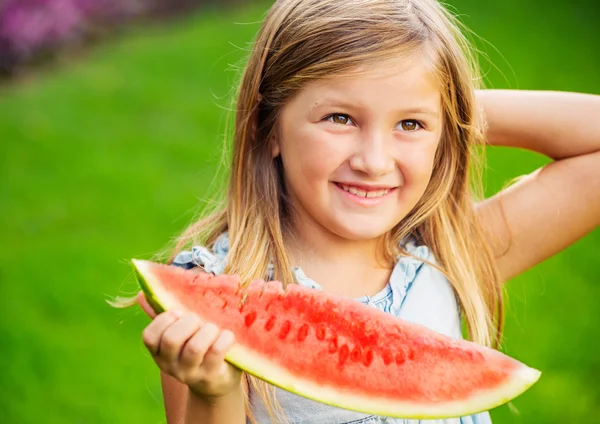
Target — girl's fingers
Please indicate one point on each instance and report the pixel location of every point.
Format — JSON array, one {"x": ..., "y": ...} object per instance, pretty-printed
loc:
[
  {"x": 145, "y": 305},
  {"x": 176, "y": 335},
  {"x": 152, "y": 334},
  {"x": 195, "y": 349},
  {"x": 182, "y": 346},
  {"x": 214, "y": 357}
]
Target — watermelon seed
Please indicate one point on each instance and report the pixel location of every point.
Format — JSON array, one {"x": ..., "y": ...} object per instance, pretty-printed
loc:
[
  {"x": 224, "y": 305},
  {"x": 368, "y": 357},
  {"x": 303, "y": 332},
  {"x": 270, "y": 323},
  {"x": 285, "y": 329},
  {"x": 411, "y": 355},
  {"x": 400, "y": 359},
  {"x": 344, "y": 352},
  {"x": 268, "y": 306},
  {"x": 387, "y": 358},
  {"x": 250, "y": 318},
  {"x": 333, "y": 344},
  {"x": 355, "y": 355},
  {"x": 320, "y": 332}
]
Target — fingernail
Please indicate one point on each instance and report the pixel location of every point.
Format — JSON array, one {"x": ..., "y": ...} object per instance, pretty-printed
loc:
[{"x": 177, "y": 313}]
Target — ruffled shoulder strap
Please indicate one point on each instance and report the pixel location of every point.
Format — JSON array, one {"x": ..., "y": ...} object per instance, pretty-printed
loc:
[
  {"x": 212, "y": 261},
  {"x": 428, "y": 297},
  {"x": 405, "y": 272}
]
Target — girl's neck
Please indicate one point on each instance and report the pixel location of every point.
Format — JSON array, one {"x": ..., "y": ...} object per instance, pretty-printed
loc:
[{"x": 352, "y": 268}]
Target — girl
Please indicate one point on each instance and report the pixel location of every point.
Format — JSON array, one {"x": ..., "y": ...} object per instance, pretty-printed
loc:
[{"x": 353, "y": 171}]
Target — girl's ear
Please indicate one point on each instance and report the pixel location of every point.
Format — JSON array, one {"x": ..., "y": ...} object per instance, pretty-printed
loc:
[
  {"x": 275, "y": 147},
  {"x": 255, "y": 111},
  {"x": 273, "y": 142},
  {"x": 254, "y": 127}
]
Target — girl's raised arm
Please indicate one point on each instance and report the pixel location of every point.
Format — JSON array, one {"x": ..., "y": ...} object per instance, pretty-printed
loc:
[{"x": 551, "y": 208}]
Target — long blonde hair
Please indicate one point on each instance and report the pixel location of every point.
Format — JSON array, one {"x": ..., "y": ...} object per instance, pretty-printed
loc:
[{"x": 304, "y": 40}]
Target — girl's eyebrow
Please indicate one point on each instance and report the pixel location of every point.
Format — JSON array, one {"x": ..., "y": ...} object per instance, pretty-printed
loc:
[
  {"x": 424, "y": 110},
  {"x": 329, "y": 102},
  {"x": 420, "y": 111}
]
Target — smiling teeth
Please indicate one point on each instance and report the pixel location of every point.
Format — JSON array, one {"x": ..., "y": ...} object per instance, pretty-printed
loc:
[{"x": 362, "y": 193}]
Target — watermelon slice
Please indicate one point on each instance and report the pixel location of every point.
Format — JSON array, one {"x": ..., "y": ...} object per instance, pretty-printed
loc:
[{"x": 338, "y": 351}]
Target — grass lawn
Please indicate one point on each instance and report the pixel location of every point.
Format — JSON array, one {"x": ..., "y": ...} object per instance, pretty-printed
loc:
[{"x": 106, "y": 158}]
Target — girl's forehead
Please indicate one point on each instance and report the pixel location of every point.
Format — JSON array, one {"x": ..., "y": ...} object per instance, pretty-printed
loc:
[
  {"x": 409, "y": 80},
  {"x": 416, "y": 61}
]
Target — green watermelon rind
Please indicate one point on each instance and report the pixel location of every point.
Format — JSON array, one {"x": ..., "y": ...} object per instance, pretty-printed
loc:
[{"x": 258, "y": 365}]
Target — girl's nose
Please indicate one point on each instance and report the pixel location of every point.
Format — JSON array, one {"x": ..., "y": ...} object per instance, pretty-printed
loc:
[{"x": 373, "y": 155}]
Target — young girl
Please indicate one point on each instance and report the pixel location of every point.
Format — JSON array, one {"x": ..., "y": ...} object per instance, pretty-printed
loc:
[{"x": 352, "y": 172}]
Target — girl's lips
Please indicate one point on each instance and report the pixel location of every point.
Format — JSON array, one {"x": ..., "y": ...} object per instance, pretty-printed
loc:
[
  {"x": 365, "y": 187},
  {"x": 373, "y": 196}
]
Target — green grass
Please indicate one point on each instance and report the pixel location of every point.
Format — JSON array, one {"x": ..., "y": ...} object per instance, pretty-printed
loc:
[{"x": 106, "y": 158}]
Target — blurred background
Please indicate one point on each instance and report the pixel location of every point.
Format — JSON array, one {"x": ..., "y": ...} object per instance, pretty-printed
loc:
[{"x": 111, "y": 120}]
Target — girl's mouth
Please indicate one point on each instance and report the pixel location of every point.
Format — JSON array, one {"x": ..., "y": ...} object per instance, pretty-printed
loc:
[{"x": 365, "y": 195}]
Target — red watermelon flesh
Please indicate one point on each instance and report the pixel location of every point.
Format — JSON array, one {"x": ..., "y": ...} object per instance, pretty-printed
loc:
[{"x": 338, "y": 351}]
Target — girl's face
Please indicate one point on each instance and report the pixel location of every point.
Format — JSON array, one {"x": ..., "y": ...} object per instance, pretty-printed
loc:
[{"x": 358, "y": 151}]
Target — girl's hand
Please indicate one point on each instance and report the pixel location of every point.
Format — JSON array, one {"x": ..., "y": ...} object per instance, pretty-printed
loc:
[{"x": 192, "y": 352}]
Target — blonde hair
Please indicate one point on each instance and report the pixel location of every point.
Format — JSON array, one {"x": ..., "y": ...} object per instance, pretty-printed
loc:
[{"x": 304, "y": 40}]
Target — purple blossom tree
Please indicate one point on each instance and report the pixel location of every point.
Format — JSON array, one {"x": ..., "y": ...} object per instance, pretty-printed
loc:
[{"x": 29, "y": 28}]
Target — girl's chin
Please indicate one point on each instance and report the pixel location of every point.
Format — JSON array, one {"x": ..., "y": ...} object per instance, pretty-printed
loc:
[{"x": 362, "y": 232}]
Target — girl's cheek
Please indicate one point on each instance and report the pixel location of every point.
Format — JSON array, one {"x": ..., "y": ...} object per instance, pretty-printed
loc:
[
  {"x": 323, "y": 155},
  {"x": 415, "y": 171}
]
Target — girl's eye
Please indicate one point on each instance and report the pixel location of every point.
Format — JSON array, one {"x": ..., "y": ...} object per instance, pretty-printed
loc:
[
  {"x": 410, "y": 125},
  {"x": 339, "y": 118}
]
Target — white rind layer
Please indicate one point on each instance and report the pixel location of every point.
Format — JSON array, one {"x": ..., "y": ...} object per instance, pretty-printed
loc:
[{"x": 260, "y": 366}]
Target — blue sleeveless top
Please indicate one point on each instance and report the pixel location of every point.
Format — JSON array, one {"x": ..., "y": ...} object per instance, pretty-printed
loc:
[{"x": 416, "y": 292}]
